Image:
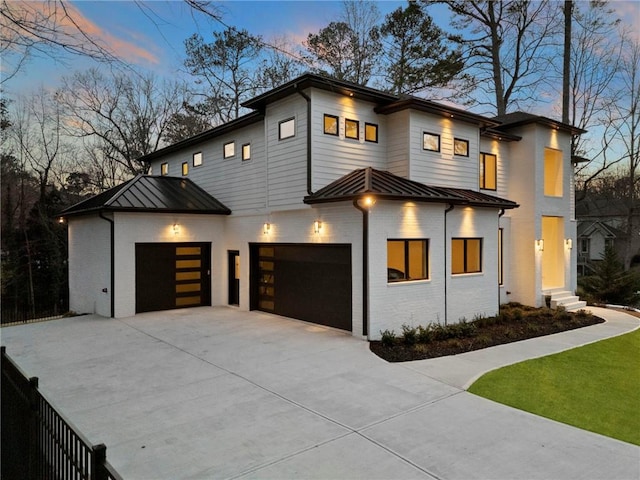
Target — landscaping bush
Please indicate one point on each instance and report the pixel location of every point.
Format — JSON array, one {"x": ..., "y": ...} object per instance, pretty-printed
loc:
[
  {"x": 409, "y": 334},
  {"x": 388, "y": 338}
]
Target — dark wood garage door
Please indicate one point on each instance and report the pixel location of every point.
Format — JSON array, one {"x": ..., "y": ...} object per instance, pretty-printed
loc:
[
  {"x": 172, "y": 275},
  {"x": 307, "y": 282}
]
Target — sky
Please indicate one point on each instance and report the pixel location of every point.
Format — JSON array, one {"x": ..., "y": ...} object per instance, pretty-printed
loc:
[{"x": 151, "y": 34}]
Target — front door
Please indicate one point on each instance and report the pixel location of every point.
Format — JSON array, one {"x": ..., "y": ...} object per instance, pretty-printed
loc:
[
  {"x": 553, "y": 261},
  {"x": 234, "y": 277}
]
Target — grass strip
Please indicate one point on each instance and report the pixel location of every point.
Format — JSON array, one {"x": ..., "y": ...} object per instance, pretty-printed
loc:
[{"x": 595, "y": 387}]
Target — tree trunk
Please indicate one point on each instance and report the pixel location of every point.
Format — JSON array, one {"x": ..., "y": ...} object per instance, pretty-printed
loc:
[
  {"x": 566, "y": 65},
  {"x": 501, "y": 106}
]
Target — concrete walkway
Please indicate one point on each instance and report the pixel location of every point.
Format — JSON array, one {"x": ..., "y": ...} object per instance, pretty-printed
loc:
[{"x": 217, "y": 393}]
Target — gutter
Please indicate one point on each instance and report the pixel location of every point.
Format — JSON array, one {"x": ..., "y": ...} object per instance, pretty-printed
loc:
[
  {"x": 499, "y": 217},
  {"x": 365, "y": 267},
  {"x": 112, "y": 226},
  {"x": 446, "y": 278},
  {"x": 309, "y": 131}
]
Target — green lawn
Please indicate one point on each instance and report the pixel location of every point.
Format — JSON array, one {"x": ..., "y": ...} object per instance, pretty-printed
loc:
[{"x": 595, "y": 387}]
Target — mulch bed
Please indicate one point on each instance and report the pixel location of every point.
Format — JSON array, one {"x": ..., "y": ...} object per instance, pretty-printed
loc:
[{"x": 486, "y": 336}]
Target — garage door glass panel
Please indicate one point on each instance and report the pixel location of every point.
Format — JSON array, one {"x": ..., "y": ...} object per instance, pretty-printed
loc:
[
  {"x": 188, "y": 251},
  {"x": 187, "y": 301},
  {"x": 187, "y": 276},
  {"x": 187, "y": 287},
  {"x": 188, "y": 264}
]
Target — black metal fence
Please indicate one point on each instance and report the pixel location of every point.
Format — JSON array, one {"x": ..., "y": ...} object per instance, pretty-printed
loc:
[
  {"x": 36, "y": 309},
  {"x": 38, "y": 442}
]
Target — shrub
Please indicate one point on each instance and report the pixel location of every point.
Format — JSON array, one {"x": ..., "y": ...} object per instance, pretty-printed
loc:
[
  {"x": 388, "y": 338},
  {"x": 409, "y": 334},
  {"x": 425, "y": 334},
  {"x": 463, "y": 329}
]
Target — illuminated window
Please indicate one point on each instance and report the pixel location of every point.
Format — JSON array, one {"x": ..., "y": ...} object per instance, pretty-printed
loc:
[
  {"x": 552, "y": 172},
  {"x": 185, "y": 169},
  {"x": 488, "y": 171},
  {"x": 229, "y": 149},
  {"x": 371, "y": 132},
  {"x": 431, "y": 141},
  {"x": 287, "y": 128},
  {"x": 197, "y": 159},
  {"x": 246, "y": 151},
  {"x": 500, "y": 256},
  {"x": 352, "y": 129},
  {"x": 331, "y": 124},
  {"x": 407, "y": 260},
  {"x": 164, "y": 169},
  {"x": 466, "y": 255},
  {"x": 461, "y": 147}
]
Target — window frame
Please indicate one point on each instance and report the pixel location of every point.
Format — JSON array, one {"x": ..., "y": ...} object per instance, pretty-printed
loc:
[
  {"x": 500, "y": 256},
  {"x": 366, "y": 126},
  {"x": 482, "y": 174},
  {"x": 407, "y": 261},
  {"x": 185, "y": 169},
  {"x": 463, "y": 142},
  {"x": 225, "y": 154},
  {"x": 164, "y": 169},
  {"x": 324, "y": 125},
  {"x": 283, "y": 122},
  {"x": 247, "y": 157},
  {"x": 357, "y": 130},
  {"x": 197, "y": 155},
  {"x": 465, "y": 253},
  {"x": 435, "y": 136}
]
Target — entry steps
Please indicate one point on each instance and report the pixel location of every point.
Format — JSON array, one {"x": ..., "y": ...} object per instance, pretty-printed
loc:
[{"x": 566, "y": 299}]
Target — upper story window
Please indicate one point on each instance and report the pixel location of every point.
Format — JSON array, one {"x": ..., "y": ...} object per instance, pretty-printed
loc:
[
  {"x": 229, "y": 149},
  {"x": 331, "y": 124},
  {"x": 461, "y": 147},
  {"x": 246, "y": 151},
  {"x": 488, "y": 171},
  {"x": 197, "y": 159},
  {"x": 407, "y": 260},
  {"x": 164, "y": 169},
  {"x": 431, "y": 141},
  {"x": 287, "y": 128},
  {"x": 185, "y": 169},
  {"x": 584, "y": 244},
  {"x": 371, "y": 132},
  {"x": 466, "y": 255},
  {"x": 552, "y": 172},
  {"x": 352, "y": 129}
]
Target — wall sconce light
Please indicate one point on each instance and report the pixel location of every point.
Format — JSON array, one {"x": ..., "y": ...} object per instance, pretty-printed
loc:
[
  {"x": 369, "y": 201},
  {"x": 176, "y": 229},
  {"x": 317, "y": 226},
  {"x": 568, "y": 243},
  {"x": 61, "y": 220},
  {"x": 540, "y": 245},
  {"x": 266, "y": 228}
]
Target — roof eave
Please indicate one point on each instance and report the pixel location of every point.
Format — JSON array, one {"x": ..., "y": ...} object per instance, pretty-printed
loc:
[
  {"x": 97, "y": 210},
  {"x": 412, "y": 198},
  {"x": 436, "y": 108}
]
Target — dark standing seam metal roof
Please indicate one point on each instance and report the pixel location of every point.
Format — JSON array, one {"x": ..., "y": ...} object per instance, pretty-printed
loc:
[
  {"x": 146, "y": 193},
  {"x": 385, "y": 185}
]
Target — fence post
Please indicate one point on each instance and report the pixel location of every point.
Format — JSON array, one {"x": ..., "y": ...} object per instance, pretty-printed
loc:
[
  {"x": 35, "y": 457},
  {"x": 99, "y": 456}
]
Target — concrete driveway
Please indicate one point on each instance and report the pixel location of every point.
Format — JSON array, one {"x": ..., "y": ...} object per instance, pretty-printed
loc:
[{"x": 218, "y": 393}]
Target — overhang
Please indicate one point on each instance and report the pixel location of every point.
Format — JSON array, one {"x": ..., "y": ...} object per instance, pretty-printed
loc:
[{"x": 516, "y": 119}]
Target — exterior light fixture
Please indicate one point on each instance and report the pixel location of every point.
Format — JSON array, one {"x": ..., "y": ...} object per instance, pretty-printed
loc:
[
  {"x": 568, "y": 243},
  {"x": 61, "y": 220},
  {"x": 176, "y": 229},
  {"x": 369, "y": 201},
  {"x": 540, "y": 245},
  {"x": 317, "y": 226},
  {"x": 266, "y": 228}
]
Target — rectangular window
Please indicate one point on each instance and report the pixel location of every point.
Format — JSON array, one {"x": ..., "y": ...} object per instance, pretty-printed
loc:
[
  {"x": 352, "y": 129},
  {"x": 431, "y": 141},
  {"x": 552, "y": 172},
  {"x": 185, "y": 169},
  {"x": 407, "y": 260},
  {"x": 287, "y": 128},
  {"x": 466, "y": 255},
  {"x": 488, "y": 171},
  {"x": 164, "y": 169},
  {"x": 331, "y": 124},
  {"x": 461, "y": 147},
  {"x": 197, "y": 159},
  {"x": 229, "y": 149},
  {"x": 584, "y": 245},
  {"x": 500, "y": 256},
  {"x": 371, "y": 132},
  {"x": 246, "y": 151}
]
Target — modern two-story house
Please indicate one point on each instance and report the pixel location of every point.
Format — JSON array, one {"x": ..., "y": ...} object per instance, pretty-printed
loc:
[{"x": 340, "y": 205}]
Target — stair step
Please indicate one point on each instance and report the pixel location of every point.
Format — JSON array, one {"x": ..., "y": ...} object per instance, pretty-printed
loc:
[{"x": 575, "y": 306}]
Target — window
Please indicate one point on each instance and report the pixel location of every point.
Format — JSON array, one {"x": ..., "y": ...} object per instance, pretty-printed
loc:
[
  {"x": 331, "y": 124},
  {"x": 407, "y": 260},
  {"x": 584, "y": 245},
  {"x": 500, "y": 256},
  {"x": 488, "y": 171},
  {"x": 352, "y": 129},
  {"x": 608, "y": 243},
  {"x": 287, "y": 128},
  {"x": 185, "y": 169},
  {"x": 371, "y": 132},
  {"x": 229, "y": 149},
  {"x": 461, "y": 147},
  {"x": 431, "y": 141},
  {"x": 197, "y": 159},
  {"x": 246, "y": 151},
  {"x": 164, "y": 169},
  {"x": 552, "y": 172},
  {"x": 466, "y": 255}
]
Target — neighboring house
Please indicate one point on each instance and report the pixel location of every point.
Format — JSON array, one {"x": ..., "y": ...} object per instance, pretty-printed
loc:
[
  {"x": 593, "y": 238},
  {"x": 339, "y": 205}
]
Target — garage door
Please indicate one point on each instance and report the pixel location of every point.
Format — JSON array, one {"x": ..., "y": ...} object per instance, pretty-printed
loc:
[
  {"x": 307, "y": 282},
  {"x": 172, "y": 275}
]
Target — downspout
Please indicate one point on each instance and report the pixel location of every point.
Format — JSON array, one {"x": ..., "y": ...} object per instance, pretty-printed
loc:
[
  {"x": 446, "y": 278},
  {"x": 113, "y": 263},
  {"x": 308, "y": 99},
  {"x": 500, "y": 253},
  {"x": 365, "y": 267}
]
